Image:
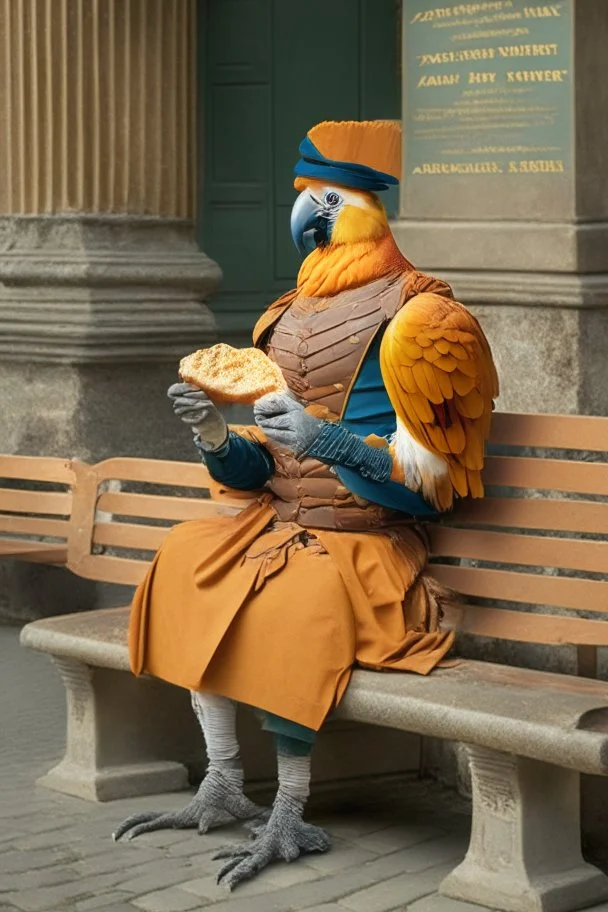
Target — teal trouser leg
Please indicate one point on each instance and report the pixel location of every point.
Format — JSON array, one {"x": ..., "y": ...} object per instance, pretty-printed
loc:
[{"x": 290, "y": 737}]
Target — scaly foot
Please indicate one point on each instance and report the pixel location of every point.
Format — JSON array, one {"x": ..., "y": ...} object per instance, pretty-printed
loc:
[
  {"x": 218, "y": 801},
  {"x": 285, "y": 837}
]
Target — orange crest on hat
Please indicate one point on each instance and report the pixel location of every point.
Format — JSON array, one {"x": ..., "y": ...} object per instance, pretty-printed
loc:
[{"x": 373, "y": 143}]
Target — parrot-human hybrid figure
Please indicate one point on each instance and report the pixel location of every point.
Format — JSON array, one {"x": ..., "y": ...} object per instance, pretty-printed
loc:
[{"x": 390, "y": 394}]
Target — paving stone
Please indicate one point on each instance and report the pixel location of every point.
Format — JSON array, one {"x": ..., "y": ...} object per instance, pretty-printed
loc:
[
  {"x": 451, "y": 848},
  {"x": 164, "y": 838},
  {"x": 437, "y": 903},
  {"x": 15, "y": 862},
  {"x": 289, "y": 875},
  {"x": 352, "y": 827},
  {"x": 153, "y": 867},
  {"x": 43, "y": 877},
  {"x": 8, "y": 835},
  {"x": 46, "y": 821},
  {"x": 112, "y": 906},
  {"x": 395, "y": 892},
  {"x": 172, "y": 900},
  {"x": 393, "y": 838},
  {"x": 204, "y": 845},
  {"x": 112, "y": 900},
  {"x": 50, "y": 839},
  {"x": 207, "y": 888},
  {"x": 326, "y": 907},
  {"x": 47, "y": 898},
  {"x": 340, "y": 858},
  {"x": 117, "y": 860},
  {"x": 158, "y": 878},
  {"x": 204, "y": 887}
]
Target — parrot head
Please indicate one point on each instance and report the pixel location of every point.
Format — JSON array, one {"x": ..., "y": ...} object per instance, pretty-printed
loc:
[
  {"x": 338, "y": 223},
  {"x": 344, "y": 236},
  {"x": 327, "y": 214}
]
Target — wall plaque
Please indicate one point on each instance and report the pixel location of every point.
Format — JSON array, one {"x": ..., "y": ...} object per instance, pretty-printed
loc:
[{"x": 488, "y": 88}]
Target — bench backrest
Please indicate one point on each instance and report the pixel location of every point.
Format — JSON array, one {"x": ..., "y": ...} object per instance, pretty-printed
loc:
[
  {"x": 35, "y": 508},
  {"x": 124, "y": 507},
  {"x": 537, "y": 539},
  {"x": 532, "y": 556}
]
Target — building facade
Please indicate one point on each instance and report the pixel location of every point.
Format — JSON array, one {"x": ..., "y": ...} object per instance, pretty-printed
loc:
[{"x": 147, "y": 146}]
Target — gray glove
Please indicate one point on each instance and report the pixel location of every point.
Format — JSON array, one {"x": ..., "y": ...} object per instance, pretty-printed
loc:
[
  {"x": 285, "y": 422},
  {"x": 195, "y": 409}
]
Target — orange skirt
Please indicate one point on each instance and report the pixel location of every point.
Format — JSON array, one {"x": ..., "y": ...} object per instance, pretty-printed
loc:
[{"x": 275, "y": 617}]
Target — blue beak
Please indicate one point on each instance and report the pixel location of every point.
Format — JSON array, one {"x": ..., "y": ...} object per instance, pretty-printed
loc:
[{"x": 309, "y": 225}]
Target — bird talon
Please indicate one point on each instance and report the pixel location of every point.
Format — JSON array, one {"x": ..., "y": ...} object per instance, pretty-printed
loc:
[
  {"x": 284, "y": 838},
  {"x": 217, "y": 802}
]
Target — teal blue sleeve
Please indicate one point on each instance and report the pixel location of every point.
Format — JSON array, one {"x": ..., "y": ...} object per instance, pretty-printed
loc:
[{"x": 239, "y": 463}]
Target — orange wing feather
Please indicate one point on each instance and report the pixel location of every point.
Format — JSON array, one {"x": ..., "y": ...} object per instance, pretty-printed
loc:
[{"x": 440, "y": 376}]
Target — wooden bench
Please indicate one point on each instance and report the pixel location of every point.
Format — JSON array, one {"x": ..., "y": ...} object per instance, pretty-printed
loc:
[
  {"x": 538, "y": 539},
  {"x": 35, "y": 508}
]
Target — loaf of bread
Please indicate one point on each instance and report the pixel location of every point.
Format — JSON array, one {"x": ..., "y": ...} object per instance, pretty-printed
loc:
[{"x": 229, "y": 374}]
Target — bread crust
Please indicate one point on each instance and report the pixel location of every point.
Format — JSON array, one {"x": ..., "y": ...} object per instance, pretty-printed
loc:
[{"x": 227, "y": 374}]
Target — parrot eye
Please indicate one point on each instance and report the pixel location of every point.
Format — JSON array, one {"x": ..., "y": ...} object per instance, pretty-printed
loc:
[{"x": 333, "y": 199}]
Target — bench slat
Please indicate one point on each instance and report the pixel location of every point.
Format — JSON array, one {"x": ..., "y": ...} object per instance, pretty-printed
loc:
[
  {"x": 532, "y": 588},
  {"x": 35, "y": 552},
  {"x": 37, "y": 468},
  {"x": 124, "y": 571},
  {"x": 568, "y": 432},
  {"x": 525, "y": 627},
  {"x": 529, "y": 550},
  {"x": 547, "y": 474},
  {"x": 155, "y": 506},
  {"x": 46, "y": 502},
  {"x": 154, "y": 471},
  {"x": 33, "y": 525},
  {"x": 129, "y": 535},
  {"x": 552, "y": 515}
]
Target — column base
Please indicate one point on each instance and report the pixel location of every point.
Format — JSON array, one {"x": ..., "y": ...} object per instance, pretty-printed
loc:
[{"x": 102, "y": 289}]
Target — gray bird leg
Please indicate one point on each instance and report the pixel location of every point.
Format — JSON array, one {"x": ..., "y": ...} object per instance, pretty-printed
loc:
[
  {"x": 285, "y": 836},
  {"x": 220, "y": 798}
]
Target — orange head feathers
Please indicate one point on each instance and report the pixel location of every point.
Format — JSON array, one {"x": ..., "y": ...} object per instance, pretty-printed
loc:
[
  {"x": 345, "y": 237},
  {"x": 338, "y": 223}
]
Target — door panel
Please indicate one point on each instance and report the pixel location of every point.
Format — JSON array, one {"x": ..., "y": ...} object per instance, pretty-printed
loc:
[
  {"x": 269, "y": 70},
  {"x": 316, "y": 77}
]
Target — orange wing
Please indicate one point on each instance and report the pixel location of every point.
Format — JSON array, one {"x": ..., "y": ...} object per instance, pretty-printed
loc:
[{"x": 440, "y": 377}]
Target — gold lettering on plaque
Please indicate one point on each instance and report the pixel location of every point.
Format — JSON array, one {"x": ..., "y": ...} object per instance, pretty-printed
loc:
[{"x": 442, "y": 80}]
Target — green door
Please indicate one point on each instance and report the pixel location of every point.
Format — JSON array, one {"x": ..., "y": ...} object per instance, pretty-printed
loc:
[{"x": 269, "y": 70}]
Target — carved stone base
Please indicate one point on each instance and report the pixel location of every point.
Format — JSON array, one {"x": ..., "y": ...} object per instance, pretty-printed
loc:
[
  {"x": 525, "y": 848},
  {"x": 125, "y": 736}
]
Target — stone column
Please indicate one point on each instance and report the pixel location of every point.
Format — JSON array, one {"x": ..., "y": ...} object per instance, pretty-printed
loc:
[
  {"x": 505, "y": 192},
  {"x": 102, "y": 284},
  {"x": 102, "y": 287}
]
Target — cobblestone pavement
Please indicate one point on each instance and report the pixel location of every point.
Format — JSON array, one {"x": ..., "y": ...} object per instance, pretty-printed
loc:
[{"x": 391, "y": 846}]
